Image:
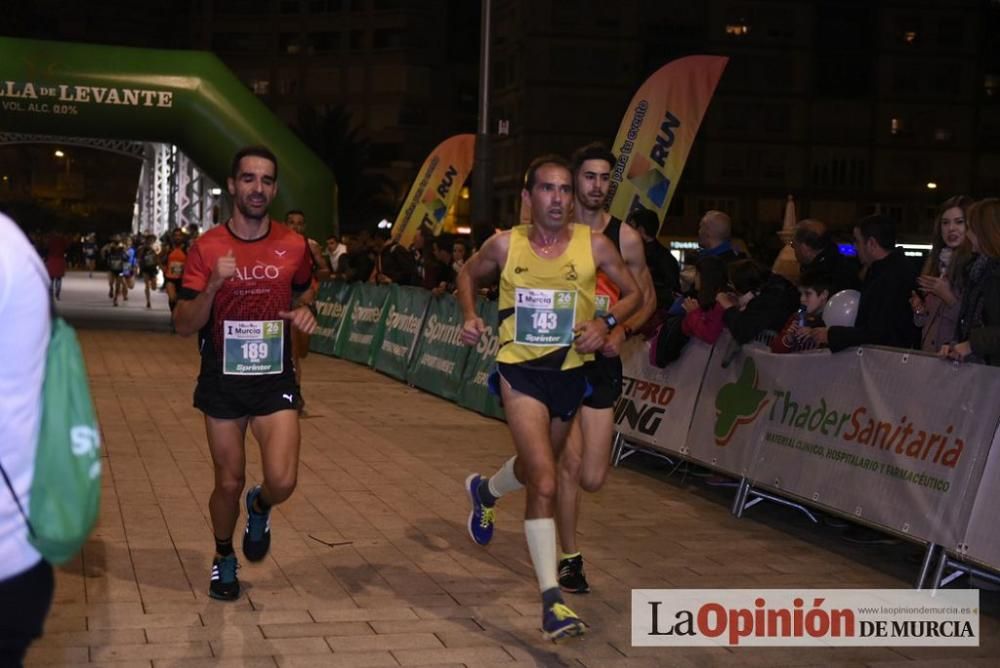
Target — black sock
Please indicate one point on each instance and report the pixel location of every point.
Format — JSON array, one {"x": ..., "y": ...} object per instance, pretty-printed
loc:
[
  {"x": 224, "y": 548},
  {"x": 550, "y": 597},
  {"x": 483, "y": 492}
]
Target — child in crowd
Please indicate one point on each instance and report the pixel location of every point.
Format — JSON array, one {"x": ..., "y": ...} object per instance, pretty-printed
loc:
[
  {"x": 703, "y": 317},
  {"x": 814, "y": 291}
]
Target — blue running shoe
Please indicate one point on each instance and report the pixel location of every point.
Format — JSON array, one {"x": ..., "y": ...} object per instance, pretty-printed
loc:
[
  {"x": 225, "y": 586},
  {"x": 558, "y": 621},
  {"x": 481, "y": 518},
  {"x": 257, "y": 537}
]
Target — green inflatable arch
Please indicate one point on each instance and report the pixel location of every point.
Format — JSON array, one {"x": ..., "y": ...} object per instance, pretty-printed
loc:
[{"x": 186, "y": 98}]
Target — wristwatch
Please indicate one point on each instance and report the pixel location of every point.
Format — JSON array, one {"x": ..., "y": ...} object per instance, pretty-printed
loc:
[{"x": 609, "y": 320}]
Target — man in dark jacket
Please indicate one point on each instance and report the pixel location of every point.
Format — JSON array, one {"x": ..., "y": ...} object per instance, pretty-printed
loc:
[
  {"x": 762, "y": 301},
  {"x": 884, "y": 314},
  {"x": 819, "y": 256}
]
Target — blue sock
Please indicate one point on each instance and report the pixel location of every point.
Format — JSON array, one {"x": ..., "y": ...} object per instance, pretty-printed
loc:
[
  {"x": 551, "y": 597},
  {"x": 483, "y": 492}
]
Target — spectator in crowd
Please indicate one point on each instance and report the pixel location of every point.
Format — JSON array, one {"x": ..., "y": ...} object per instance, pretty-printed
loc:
[
  {"x": 936, "y": 306},
  {"x": 760, "y": 301},
  {"x": 816, "y": 253},
  {"x": 663, "y": 267},
  {"x": 703, "y": 313},
  {"x": 815, "y": 289},
  {"x": 978, "y": 331},
  {"x": 335, "y": 249},
  {"x": 884, "y": 315},
  {"x": 439, "y": 277},
  {"x": 395, "y": 262},
  {"x": 459, "y": 251},
  {"x": 359, "y": 263},
  {"x": 26, "y": 581},
  {"x": 715, "y": 232}
]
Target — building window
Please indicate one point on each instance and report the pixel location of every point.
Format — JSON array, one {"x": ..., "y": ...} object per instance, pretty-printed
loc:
[
  {"x": 991, "y": 85},
  {"x": 357, "y": 40},
  {"x": 324, "y": 42},
  {"x": 898, "y": 127},
  {"x": 290, "y": 43},
  {"x": 388, "y": 38},
  {"x": 943, "y": 135},
  {"x": 737, "y": 29},
  {"x": 290, "y": 6},
  {"x": 240, "y": 42},
  {"x": 325, "y": 6},
  {"x": 260, "y": 86},
  {"x": 910, "y": 36}
]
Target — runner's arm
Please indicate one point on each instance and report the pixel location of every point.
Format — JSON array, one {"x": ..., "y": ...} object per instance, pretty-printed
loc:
[
  {"x": 634, "y": 255},
  {"x": 194, "y": 306},
  {"x": 608, "y": 260},
  {"x": 483, "y": 265}
]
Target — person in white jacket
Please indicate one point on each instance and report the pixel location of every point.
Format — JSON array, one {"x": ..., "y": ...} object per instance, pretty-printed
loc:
[{"x": 26, "y": 580}]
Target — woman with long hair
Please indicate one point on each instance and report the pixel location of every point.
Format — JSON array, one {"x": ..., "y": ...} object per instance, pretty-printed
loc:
[
  {"x": 936, "y": 307},
  {"x": 978, "y": 330}
]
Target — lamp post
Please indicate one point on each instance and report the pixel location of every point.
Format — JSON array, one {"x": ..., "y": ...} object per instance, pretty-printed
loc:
[{"x": 482, "y": 181}]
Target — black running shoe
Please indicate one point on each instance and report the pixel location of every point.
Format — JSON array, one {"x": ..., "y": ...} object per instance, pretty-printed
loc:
[
  {"x": 257, "y": 537},
  {"x": 571, "y": 577},
  {"x": 225, "y": 586}
]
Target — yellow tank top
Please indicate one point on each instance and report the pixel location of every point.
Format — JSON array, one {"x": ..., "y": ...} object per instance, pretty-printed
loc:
[{"x": 542, "y": 299}]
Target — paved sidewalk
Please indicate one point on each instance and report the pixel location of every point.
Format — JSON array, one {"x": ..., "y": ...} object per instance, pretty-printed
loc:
[{"x": 371, "y": 564}]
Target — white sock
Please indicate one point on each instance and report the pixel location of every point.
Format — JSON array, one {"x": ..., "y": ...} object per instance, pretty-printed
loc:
[
  {"x": 504, "y": 481},
  {"x": 541, "y": 535}
]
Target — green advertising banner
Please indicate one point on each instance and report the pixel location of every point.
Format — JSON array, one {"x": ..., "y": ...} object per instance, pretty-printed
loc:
[
  {"x": 186, "y": 98},
  {"x": 439, "y": 359},
  {"x": 331, "y": 304},
  {"x": 362, "y": 323},
  {"x": 473, "y": 392},
  {"x": 402, "y": 317}
]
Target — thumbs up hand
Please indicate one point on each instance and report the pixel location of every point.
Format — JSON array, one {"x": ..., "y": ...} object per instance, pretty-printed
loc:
[{"x": 225, "y": 268}]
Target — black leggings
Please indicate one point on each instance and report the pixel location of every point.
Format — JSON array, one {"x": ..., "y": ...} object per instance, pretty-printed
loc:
[{"x": 26, "y": 598}]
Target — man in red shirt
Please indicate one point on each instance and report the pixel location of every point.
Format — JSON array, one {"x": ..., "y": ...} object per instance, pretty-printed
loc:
[{"x": 240, "y": 281}]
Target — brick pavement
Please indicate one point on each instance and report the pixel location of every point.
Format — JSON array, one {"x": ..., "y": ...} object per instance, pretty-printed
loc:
[{"x": 371, "y": 564}]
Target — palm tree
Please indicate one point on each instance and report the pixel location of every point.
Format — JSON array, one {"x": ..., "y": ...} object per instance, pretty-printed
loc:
[{"x": 363, "y": 197}]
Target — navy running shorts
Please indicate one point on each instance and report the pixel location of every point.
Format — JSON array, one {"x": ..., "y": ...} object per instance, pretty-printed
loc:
[
  {"x": 560, "y": 391},
  {"x": 605, "y": 377}
]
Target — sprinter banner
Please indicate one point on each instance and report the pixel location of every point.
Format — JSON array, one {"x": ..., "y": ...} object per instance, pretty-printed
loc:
[
  {"x": 656, "y": 404},
  {"x": 402, "y": 318},
  {"x": 439, "y": 358},
  {"x": 474, "y": 392},
  {"x": 657, "y": 132},
  {"x": 435, "y": 189},
  {"x": 865, "y": 432},
  {"x": 362, "y": 323},
  {"x": 331, "y": 304}
]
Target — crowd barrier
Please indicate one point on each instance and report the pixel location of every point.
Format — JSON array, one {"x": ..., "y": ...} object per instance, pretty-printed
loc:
[{"x": 898, "y": 440}]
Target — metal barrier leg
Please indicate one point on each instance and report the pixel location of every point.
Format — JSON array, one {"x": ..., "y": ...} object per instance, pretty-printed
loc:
[
  {"x": 740, "y": 499},
  {"x": 939, "y": 571},
  {"x": 925, "y": 567},
  {"x": 616, "y": 448}
]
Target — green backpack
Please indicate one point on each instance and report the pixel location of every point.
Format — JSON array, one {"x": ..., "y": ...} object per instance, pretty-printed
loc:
[{"x": 66, "y": 487}]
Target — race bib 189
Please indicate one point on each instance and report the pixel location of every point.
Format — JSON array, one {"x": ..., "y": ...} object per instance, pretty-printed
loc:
[
  {"x": 253, "y": 347},
  {"x": 544, "y": 317}
]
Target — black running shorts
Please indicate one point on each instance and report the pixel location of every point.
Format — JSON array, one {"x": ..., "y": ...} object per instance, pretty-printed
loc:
[
  {"x": 605, "y": 377},
  {"x": 560, "y": 391},
  {"x": 245, "y": 396}
]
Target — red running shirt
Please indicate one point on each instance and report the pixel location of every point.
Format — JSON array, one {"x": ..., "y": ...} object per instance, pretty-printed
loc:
[{"x": 268, "y": 271}]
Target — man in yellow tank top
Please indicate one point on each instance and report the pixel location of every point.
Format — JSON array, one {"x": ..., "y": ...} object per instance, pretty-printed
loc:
[{"x": 548, "y": 330}]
